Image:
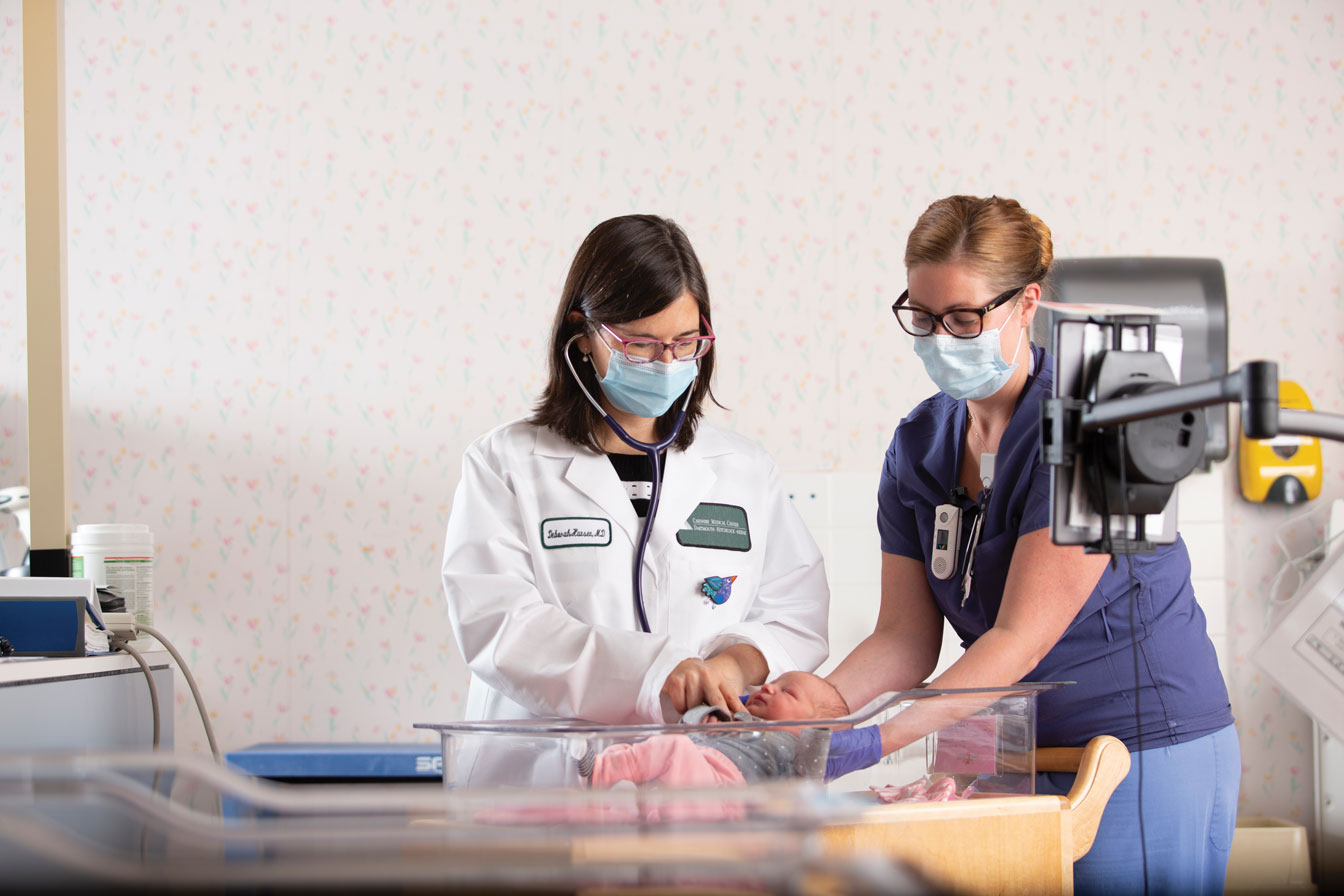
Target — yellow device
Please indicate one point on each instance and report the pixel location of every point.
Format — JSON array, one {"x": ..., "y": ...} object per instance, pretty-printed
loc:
[{"x": 1285, "y": 469}]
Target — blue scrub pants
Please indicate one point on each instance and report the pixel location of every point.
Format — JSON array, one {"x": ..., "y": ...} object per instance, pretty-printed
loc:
[{"x": 1189, "y": 812}]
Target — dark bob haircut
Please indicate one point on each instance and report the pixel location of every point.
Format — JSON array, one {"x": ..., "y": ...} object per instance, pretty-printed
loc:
[{"x": 627, "y": 268}]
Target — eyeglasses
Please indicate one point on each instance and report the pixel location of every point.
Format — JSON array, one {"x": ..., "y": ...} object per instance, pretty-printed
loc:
[
  {"x": 645, "y": 351},
  {"x": 963, "y": 323}
]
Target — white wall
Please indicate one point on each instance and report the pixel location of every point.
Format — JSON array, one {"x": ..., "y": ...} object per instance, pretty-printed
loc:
[{"x": 314, "y": 249}]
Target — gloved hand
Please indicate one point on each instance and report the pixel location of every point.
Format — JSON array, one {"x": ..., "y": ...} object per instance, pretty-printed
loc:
[{"x": 853, "y": 749}]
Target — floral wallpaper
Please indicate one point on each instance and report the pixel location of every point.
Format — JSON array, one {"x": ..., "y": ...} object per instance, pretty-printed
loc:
[{"x": 314, "y": 249}]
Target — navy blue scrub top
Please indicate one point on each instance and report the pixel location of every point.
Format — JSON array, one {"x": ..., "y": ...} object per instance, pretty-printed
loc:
[{"x": 1181, "y": 695}]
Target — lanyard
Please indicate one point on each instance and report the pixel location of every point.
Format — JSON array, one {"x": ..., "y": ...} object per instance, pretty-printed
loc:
[
  {"x": 981, "y": 506},
  {"x": 987, "y": 481}
]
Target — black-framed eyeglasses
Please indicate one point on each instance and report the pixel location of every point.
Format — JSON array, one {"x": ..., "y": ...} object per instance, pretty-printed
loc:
[{"x": 963, "y": 323}]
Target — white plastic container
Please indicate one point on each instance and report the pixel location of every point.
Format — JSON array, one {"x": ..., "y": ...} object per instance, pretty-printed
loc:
[{"x": 120, "y": 558}]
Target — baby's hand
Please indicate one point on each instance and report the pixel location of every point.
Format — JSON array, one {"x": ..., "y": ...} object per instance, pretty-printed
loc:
[{"x": 705, "y": 713}]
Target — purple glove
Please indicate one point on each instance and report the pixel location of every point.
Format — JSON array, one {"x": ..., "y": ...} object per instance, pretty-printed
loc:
[{"x": 853, "y": 749}]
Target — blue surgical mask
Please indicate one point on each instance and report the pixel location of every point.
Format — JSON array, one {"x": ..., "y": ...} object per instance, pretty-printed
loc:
[
  {"x": 646, "y": 390},
  {"x": 967, "y": 368}
]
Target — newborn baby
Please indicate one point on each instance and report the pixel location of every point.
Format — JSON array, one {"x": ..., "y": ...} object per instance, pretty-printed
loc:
[
  {"x": 708, "y": 758},
  {"x": 797, "y": 695}
]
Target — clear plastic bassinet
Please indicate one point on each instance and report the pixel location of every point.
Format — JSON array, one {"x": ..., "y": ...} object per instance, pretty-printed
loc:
[{"x": 984, "y": 739}]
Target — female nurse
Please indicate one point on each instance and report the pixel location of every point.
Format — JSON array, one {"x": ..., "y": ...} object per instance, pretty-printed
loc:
[
  {"x": 550, "y": 511},
  {"x": 1134, "y": 643}
]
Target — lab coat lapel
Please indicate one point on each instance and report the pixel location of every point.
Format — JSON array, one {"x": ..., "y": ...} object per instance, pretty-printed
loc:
[
  {"x": 688, "y": 479},
  {"x": 593, "y": 475}
]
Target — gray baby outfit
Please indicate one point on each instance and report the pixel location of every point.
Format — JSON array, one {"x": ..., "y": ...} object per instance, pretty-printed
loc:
[{"x": 757, "y": 754}]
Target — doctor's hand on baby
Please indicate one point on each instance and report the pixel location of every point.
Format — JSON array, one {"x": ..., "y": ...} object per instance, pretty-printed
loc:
[
  {"x": 716, "y": 681},
  {"x": 695, "y": 681}
]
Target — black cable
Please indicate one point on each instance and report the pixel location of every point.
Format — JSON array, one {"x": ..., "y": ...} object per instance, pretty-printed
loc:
[
  {"x": 1134, "y": 633},
  {"x": 1096, "y": 473}
]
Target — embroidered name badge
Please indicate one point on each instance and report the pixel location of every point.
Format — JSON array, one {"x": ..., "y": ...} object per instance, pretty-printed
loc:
[
  {"x": 719, "y": 526},
  {"x": 575, "y": 532}
]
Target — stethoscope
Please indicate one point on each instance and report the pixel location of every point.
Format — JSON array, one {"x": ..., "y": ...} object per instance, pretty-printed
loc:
[{"x": 652, "y": 449}]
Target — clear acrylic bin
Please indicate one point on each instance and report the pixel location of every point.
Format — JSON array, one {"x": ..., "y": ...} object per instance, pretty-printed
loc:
[
  {"x": 983, "y": 743},
  {"x": 984, "y": 740},
  {"x": 149, "y": 822}
]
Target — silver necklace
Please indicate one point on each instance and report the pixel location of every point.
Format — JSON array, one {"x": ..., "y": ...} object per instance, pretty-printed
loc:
[{"x": 982, "y": 438}]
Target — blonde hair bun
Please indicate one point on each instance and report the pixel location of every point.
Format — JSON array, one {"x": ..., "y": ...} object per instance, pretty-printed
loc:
[{"x": 996, "y": 237}]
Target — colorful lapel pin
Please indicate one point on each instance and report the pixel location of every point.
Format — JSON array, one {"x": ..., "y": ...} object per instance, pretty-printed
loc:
[{"x": 718, "y": 588}]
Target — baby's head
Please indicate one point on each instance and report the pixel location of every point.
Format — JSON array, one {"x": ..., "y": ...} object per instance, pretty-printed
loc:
[{"x": 797, "y": 695}]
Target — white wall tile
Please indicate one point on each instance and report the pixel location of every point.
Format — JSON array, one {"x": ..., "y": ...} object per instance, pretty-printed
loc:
[
  {"x": 811, "y": 494},
  {"x": 1200, "y": 496},
  {"x": 854, "y": 499},
  {"x": 1206, "y": 541},
  {"x": 1212, "y": 597},
  {"x": 856, "y": 554}
]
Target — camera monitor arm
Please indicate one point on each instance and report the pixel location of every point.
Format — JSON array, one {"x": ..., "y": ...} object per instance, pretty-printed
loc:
[
  {"x": 1130, "y": 466},
  {"x": 1255, "y": 385}
]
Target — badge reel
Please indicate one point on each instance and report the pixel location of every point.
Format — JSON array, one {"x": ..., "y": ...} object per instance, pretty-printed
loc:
[
  {"x": 947, "y": 531},
  {"x": 946, "y": 537},
  {"x": 987, "y": 480}
]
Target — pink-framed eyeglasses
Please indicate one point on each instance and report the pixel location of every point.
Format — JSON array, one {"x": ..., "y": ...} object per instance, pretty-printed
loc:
[{"x": 646, "y": 351}]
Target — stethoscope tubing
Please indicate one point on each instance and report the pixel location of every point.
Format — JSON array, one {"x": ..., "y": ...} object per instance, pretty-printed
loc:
[
  {"x": 655, "y": 493},
  {"x": 652, "y": 450}
]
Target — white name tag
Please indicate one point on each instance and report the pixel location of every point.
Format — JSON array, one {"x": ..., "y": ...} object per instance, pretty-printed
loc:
[{"x": 575, "y": 532}]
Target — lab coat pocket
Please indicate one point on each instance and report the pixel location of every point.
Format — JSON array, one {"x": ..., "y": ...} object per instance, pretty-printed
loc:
[
  {"x": 577, "y": 578},
  {"x": 707, "y": 593},
  {"x": 567, "y": 568}
]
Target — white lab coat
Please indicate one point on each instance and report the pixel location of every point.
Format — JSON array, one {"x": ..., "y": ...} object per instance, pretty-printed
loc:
[{"x": 553, "y": 631}]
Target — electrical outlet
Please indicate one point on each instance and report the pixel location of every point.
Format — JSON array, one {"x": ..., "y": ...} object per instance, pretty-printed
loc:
[{"x": 811, "y": 494}]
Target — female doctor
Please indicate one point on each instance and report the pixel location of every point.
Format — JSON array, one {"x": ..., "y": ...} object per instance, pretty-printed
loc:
[
  {"x": 550, "y": 512},
  {"x": 1030, "y": 609}
]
